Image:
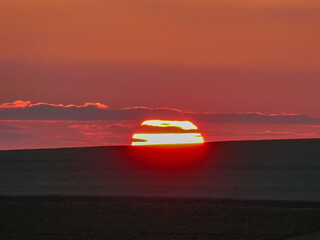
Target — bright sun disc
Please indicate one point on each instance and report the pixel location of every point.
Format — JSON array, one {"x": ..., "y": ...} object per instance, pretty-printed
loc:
[{"x": 165, "y": 132}]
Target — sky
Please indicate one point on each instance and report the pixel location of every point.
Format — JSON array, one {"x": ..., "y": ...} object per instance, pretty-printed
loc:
[{"x": 86, "y": 73}]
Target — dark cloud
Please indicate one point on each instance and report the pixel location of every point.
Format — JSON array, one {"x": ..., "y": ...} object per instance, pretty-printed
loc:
[
  {"x": 118, "y": 128},
  {"x": 14, "y": 136},
  {"x": 88, "y": 113},
  {"x": 9, "y": 128},
  {"x": 272, "y": 133},
  {"x": 258, "y": 118},
  {"x": 247, "y": 133},
  {"x": 10, "y": 133},
  {"x": 92, "y": 112}
]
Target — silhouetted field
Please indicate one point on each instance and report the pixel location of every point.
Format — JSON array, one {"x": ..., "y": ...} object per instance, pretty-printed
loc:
[
  {"x": 223, "y": 190},
  {"x": 151, "y": 220}
]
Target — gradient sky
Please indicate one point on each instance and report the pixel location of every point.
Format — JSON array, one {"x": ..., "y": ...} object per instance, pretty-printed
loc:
[{"x": 230, "y": 56}]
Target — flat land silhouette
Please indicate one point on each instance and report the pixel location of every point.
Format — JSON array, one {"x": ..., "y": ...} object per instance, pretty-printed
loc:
[{"x": 219, "y": 190}]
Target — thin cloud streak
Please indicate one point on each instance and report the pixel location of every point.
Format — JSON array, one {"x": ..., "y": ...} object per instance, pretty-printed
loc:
[{"x": 28, "y": 104}]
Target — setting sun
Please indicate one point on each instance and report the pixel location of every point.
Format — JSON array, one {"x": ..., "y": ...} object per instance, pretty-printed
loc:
[{"x": 165, "y": 132}]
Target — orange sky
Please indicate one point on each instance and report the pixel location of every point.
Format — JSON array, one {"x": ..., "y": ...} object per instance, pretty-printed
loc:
[{"x": 260, "y": 34}]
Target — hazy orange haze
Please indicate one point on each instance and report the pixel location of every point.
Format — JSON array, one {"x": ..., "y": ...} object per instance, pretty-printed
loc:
[{"x": 259, "y": 34}]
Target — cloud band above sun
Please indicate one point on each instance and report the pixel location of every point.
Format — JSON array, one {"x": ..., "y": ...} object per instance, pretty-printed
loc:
[
  {"x": 165, "y": 132},
  {"x": 25, "y": 110}
]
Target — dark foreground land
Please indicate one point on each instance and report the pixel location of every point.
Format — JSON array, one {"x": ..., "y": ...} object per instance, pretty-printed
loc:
[
  {"x": 231, "y": 190},
  {"x": 54, "y": 218}
]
